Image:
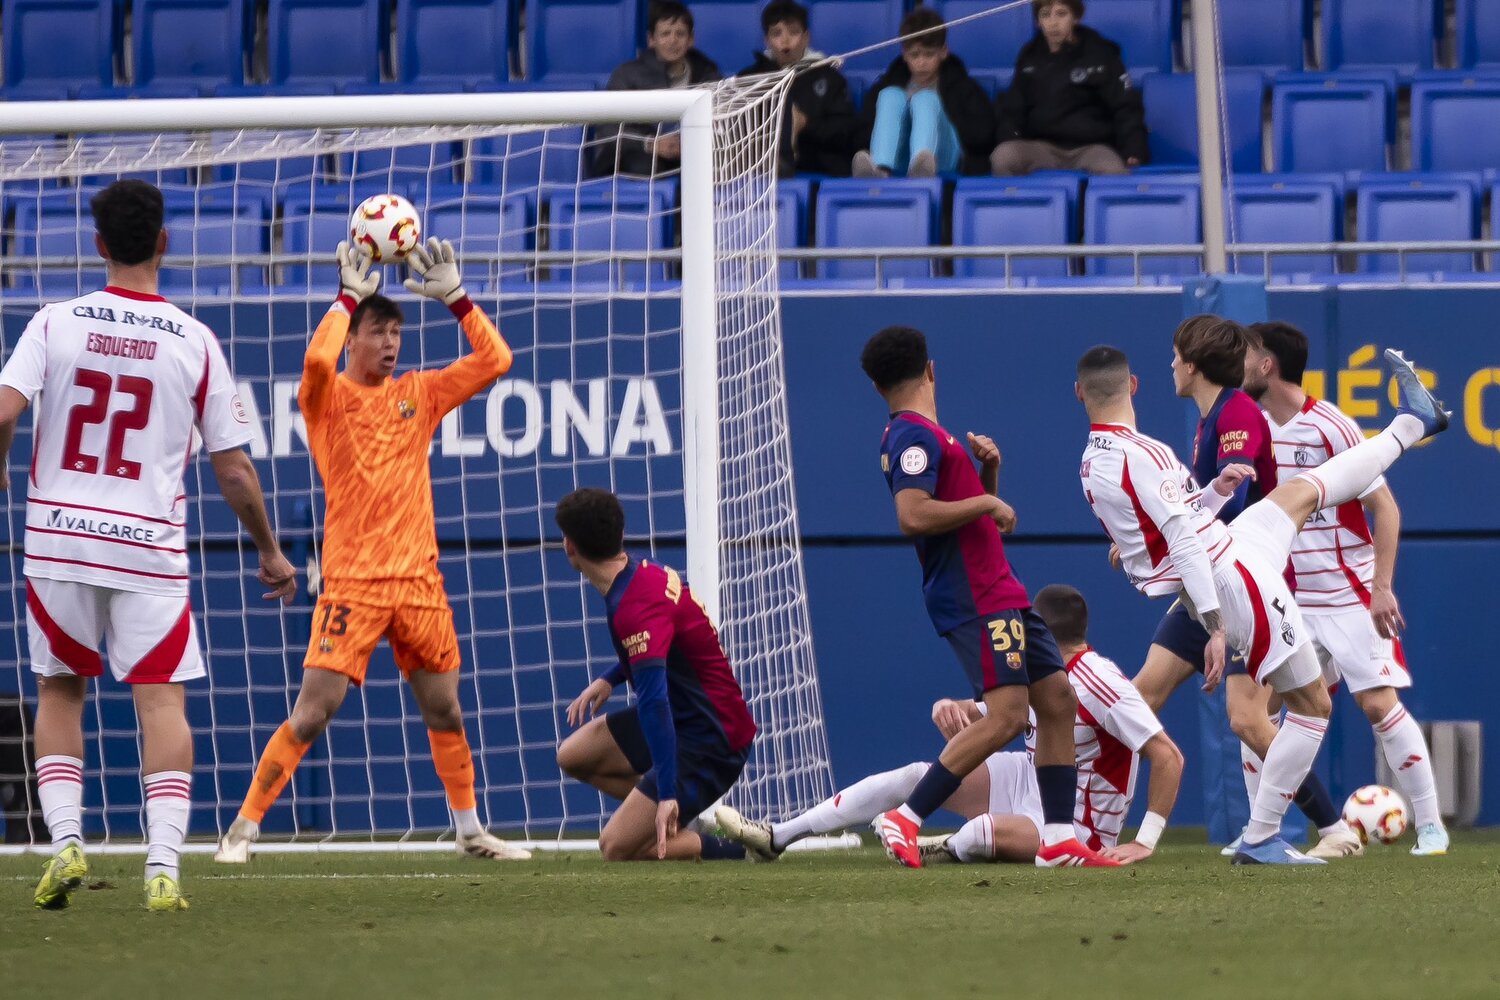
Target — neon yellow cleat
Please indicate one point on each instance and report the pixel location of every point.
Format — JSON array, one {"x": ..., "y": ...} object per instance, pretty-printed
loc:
[
  {"x": 64, "y": 873},
  {"x": 164, "y": 895}
]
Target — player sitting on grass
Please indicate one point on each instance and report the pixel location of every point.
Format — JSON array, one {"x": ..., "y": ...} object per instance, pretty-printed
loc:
[
  {"x": 1113, "y": 730},
  {"x": 370, "y": 434},
  {"x": 686, "y": 739}
]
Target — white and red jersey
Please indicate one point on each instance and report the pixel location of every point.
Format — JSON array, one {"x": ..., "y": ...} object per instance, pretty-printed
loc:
[
  {"x": 1146, "y": 500},
  {"x": 124, "y": 380},
  {"x": 1333, "y": 558}
]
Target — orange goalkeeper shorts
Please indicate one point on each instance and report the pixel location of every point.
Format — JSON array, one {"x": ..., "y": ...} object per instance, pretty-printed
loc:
[{"x": 414, "y": 615}]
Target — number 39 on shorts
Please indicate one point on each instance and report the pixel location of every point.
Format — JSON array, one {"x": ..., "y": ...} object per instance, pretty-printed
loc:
[{"x": 1007, "y": 634}]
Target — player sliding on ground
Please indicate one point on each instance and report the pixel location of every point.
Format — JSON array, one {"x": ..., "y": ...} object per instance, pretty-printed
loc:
[
  {"x": 125, "y": 378},
  {"x": 976, "y": 603},
  {"x": 1231, "y": 578},
  {"x": 369, "y": 434},
  {"x": 686, "y": 739},
  {"x": 1113, "y": 731}
]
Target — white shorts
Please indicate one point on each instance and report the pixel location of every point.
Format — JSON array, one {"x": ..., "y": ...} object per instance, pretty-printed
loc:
[
  {"x": 1013, "y": 789},
  {"x": 1260, "y": 616},
  {"x": 151, "y": 639},
  {"x": 1349, "y": 649}
]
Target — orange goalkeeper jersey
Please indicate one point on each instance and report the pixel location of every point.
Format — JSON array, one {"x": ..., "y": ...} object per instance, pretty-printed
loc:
[{"x": 371, "y": 446}]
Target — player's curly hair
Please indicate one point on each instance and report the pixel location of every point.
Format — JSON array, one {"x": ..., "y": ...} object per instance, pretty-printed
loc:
[
  {"x": 1285, "y": 343},
  {"x": 128, "y": 215},
  {"x": 1215, "y": 346},
  {"x": 593, "y": 520},
  {"x": 895, "y": 355},
  {"x": 376, "y": 308},
  {"x": 1065, "y": 611}
]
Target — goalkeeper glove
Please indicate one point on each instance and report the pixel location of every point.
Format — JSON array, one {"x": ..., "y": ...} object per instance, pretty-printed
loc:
[
  {"x": 438, "y": 269},
  {"x": 355, "y": 277}
]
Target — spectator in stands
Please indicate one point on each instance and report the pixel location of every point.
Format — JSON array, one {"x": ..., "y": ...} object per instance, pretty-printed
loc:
[
  {"x": 926, "y": 115},
  {"x": 817, "y": 131},
  {"x": 1070, "y": 105},
  {"x": 672, "y": 62}
]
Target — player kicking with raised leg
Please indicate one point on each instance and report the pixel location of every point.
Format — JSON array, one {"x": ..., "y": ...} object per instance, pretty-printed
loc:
[
  {"x": 683, "y": 744},
  {"x": 954, "y": 516},
  {"x": 126, "y": 378},
  {"x": 1342, "y": 573},
  {"x": 369, "y": 434},
  {"x": 1231, "y": 578}
]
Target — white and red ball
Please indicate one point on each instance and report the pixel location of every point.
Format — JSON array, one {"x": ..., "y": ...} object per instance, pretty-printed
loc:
[
  {"x": 385, "y": 226},
  {"x": 1376, "y": 813}
]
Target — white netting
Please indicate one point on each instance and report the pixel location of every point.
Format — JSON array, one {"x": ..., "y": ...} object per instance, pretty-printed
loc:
[{"x": 583, "y": 278}]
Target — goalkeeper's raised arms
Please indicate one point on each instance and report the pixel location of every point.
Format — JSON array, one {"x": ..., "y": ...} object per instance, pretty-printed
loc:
[{"x": 437, "y": 268}]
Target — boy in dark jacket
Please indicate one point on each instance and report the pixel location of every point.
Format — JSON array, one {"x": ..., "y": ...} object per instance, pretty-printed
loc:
[
  {"x": 817, "y": 131},
  {"x": 671, "y": 62},
  {"x": 926, "y": 114},
  {"x": 1070, "y": 105}
]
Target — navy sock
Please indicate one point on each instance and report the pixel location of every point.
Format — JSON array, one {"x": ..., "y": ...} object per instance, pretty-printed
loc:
[
  {"x": 933, "y": 790},
  {"x": 1058, "y": 784},
  {"x": 1315, "y": 802},
  {"x": 719, "y": 849}
]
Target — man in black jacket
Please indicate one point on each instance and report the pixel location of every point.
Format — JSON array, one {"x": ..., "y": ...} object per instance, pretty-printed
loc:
[
  {"x": 926, "y": 115},
  {"x": 817, "y": 131},
  {"x": 1070, "y": 105},
  {"x": 672, "y": 62}
]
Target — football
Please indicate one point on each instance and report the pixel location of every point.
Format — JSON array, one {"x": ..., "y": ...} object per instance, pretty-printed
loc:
[
  {"x": 386, "y": 226},
  {"x": 1376, "y": 813}
]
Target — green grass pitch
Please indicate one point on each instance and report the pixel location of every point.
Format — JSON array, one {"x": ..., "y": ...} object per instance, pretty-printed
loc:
[{"x": 844, "y": 924}]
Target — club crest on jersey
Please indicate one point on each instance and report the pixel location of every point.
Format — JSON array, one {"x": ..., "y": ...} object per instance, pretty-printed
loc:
[
  {"x": 914, "y": 460},
  {"x": 1288, "y": 634},
  {"x": 325, "y": 645},
  {"x": 1013, "y": 660},
  {"x": 406, "y": 409},
  {"x": 1302, "y": 457}
]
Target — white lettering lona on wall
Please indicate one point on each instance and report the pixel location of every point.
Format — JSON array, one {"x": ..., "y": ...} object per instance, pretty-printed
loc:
[{"x": 520, "y": 418}]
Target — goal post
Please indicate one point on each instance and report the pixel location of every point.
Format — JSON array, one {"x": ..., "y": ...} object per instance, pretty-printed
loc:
[{"x": 621, "y": 347}]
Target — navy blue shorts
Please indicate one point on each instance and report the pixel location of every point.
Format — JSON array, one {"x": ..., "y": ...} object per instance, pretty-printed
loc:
[
  {"x": 1009, "y": 647},
  {"x": 1179, "y": 632},
  {"x": 703, "y": 776}
]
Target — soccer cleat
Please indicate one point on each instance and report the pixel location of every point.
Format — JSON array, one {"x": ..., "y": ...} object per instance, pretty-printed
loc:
[
  {"x": 234, "y": 849},
  {"x": 1415, "y": 397},
  {"x": 1071, "y": 853},
  {"x": 1273, "y": 852},
  {"x": 1432, "y": 841},
  {"x": 1232, "y": 848},
  {"x": 163, "y": 895},
  {"x": 934, "y": 850},
  {"x": 898, "y": 835},
  {"x": 490, "y": 847},
  {"x": 63, "y": 873},
  {"x": 1341, "y": 842},
  {"x": 754, "y": 835}
]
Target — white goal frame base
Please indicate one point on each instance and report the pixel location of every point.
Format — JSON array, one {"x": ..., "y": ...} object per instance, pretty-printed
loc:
[{"x": 838, "y": 842}]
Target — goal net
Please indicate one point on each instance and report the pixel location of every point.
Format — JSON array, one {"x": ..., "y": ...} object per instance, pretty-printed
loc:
[{"x": 642, "y": 309}]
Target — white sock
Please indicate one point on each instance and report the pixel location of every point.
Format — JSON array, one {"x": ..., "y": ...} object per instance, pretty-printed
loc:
[
  {"x": 1406, "y": 751},
  {"x": 975, "y": 840},
  {"x": 1250, "y": 766},
  {"x": 169, "y": 800},
  {"x": 1287, "y": 763},
  {"x": 1058, "y": 833},
  {"x": 466, "y": 822},
  {"x": 59, "y": 785},
  {"x": 860, "y": 803},
  {"x": 1348, "y": 474}
]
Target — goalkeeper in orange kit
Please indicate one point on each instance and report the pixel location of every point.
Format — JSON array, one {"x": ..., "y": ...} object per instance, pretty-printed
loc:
[{"x": 369, "y": 434}]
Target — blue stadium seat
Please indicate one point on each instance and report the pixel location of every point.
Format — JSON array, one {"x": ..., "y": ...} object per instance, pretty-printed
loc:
[
  {"x": 337, "y": 41},
  {"x": 1478, "y": 29},
  {"x": 553, "y": 30},
  {"x": 314, "y": 219},
  {"x": 1399, "y": 34},
  {"x": 1288, "y": 208},
  {"x": 1124, "y": 210},
  {"x": 988, "y": 46},
  {"x": 1453, "y": 124},
  {"x": 1266, "y": 35},
  {"x": 1019, "y": 211},
  {"x": 1414, "y": 209},
  {"x": 611, "y": 214},
  {"x": 280, "y": 175},
  {"x": 1142, "y": 29},
  {"x": 458, "y": 42},
  {"x": 56, "y": 224},
  {"x": 523, "y": 161},
  {"x": 215, "y": 220},
  {"x": 1171, "y": 101},
  {"x": 200, "y": 42},
  {"x": 846, "y": 25},
  {"x": 479, "y": 222},
  {"x": 728, "y": 32},
  {"x": 884, "y": 213},
  {"x": 1329, "y": 124},
  {"x": 60, "y": 42},
  {"x": 793, "y": 207},
  {"x": 166, "y": 91}
]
